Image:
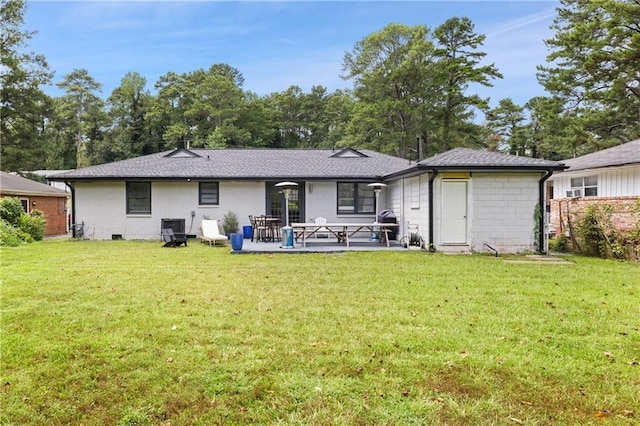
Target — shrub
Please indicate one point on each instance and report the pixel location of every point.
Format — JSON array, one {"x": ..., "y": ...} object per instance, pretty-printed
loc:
[
  {"x": 9, "y": 234},
  {"x": 33, "y": 224},
  {"x": 17, "y": 226},
  {"x": 230, "y": 223},
  {"x": 597, "y": 234},
  {"x": 559, "y": 243},
  {"x": 11, "y": 210}
]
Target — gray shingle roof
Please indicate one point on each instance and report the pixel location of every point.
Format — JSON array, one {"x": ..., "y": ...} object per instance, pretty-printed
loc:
[
  {"x": 245, "y": 164},
  {"x": 17, "y": 185},
  {"x": 620, "y": 155},
  {"x": 465, "y": 158}
]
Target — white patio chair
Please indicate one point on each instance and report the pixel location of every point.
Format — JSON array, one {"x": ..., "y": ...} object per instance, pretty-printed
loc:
[
  {"x": 322, "y": 231},
  {"x": 211, "y": 232}
]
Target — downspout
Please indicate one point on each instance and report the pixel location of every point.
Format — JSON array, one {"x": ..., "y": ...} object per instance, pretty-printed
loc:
[
  {"x": 73, "y": 208},
  {"x": 541, "y": 204},
  {"x": 434, "y": 173}
]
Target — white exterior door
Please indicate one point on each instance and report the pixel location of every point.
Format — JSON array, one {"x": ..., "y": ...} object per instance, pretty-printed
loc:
[{"x": 454, "y": 212}]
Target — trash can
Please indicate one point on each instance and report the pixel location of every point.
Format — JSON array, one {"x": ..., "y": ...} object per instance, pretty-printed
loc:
[
  {"x": 287, "y": 237},
  {"x": 236, "y": 242},
  {"x": 388, "y": 216},
  {"x": 247, "y": 231}
]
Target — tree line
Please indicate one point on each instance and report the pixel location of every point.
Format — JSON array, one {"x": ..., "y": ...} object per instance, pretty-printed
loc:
[{"x": 411, "y": 97}]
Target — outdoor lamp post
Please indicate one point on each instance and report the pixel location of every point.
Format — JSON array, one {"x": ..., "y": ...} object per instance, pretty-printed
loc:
[
  {"x": 377, "y": 187},
  {"x": 287, "y": 231}
]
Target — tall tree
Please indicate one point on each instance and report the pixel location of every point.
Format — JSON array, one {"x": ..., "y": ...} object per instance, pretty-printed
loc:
[
  {"x": 508, "y": 121},
  {"x": 168, "y": 110},
  {"x": 21, "y": 100},
  {"x": 289, "y": 116},
  {"x": 459, "y": 60},
  {"x": 129, "y": 134},
  {"x": 393, "y": 87},
  {"x": 201, "y": 108},
  {"x": 594, "y": 67},
  {"x": 83, "y": 110},
  {"x": 337, "y": 114}
]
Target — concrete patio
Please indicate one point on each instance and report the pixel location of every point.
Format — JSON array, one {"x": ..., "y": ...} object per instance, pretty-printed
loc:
[{"x": 319, "y": 245}]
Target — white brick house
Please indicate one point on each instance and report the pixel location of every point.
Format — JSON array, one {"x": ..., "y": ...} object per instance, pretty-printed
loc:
[{"x": 461, "y": 199}]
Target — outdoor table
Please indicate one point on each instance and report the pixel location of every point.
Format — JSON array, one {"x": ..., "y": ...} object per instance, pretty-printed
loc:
[{"x": 342, "y": 231}]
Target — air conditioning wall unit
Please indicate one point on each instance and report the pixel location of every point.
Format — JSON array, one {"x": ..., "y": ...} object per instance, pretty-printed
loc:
[{"x": 574, "y": 193}]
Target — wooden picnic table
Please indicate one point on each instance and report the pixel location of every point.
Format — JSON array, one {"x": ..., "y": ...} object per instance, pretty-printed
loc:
[{"x": 342, "y": 231}]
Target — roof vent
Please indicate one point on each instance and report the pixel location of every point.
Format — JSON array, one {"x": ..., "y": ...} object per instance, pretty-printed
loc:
[
  {"x": 182, "y": 153},
  {"x": 348, "y": 153}
]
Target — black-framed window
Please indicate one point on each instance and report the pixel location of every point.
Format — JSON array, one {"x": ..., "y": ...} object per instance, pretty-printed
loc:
[
  {"x": 588, "y": 185},
  {"x": 355, "y": 198},
  {"x": 208, "y": 194},
  {"x": 138, "y": 197}
]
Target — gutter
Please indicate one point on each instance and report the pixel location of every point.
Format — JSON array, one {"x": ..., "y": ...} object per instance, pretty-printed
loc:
[
  {"x": 432, "y": 178},
  {"x": 73, "y": 208},
  {"x": 541, "y": 205}
]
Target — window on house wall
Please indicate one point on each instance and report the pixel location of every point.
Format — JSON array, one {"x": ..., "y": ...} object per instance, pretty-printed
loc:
[
  {"x": 208, "y": 194},
  {"x": 587, "y": 185},
  {"x": 354, "y": 198},
  {"x": 25, "y": 204},
  {"x": 138, "y": 197}
]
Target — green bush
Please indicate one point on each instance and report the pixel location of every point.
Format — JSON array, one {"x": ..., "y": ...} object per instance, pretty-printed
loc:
[
  {"x": 17, "y": 226},
  {"x": 11, "y": 210},
  {"x": 559, "y": 243},
  {"x": 230, "y": 223},
  {"x": 33, "y": 224},
  {"x": 9, "y": 234}
]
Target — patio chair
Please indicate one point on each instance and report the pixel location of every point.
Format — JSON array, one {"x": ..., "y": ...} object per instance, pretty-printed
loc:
[
  {"x": 211, "y": 232},
  {"x": 172, "y": 239},
  {"x": 261, "y": 229},
  {"x": 324, "y": 232}
]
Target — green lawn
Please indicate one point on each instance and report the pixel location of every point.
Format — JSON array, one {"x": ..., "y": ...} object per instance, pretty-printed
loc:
[{"x": 126, "y": 333}]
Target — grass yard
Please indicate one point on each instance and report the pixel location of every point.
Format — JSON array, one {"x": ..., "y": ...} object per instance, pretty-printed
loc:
[{"x": 130, "y": 333}]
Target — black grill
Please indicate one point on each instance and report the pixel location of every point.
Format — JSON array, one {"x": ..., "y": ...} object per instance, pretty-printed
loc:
[{"x": 388, "y": 216}]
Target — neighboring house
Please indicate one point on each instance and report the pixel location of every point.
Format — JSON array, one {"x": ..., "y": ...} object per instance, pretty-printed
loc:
[
  {"x": 460, "y": 199},
  {"x": 44, "y": 173},
  {"x": 610, "y": 176},
  {"x": 34, "y": 195}
]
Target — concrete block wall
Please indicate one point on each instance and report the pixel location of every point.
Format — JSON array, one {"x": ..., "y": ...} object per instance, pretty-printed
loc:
[{"x": 502, "y": 211}]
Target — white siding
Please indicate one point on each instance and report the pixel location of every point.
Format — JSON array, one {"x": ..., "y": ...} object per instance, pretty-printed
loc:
[
  {"x": 404, "y": 196},
  {"x": 322, "y": 200},
  {"x": 102, "y": 207},
  {"x": 612, "y": 182}
]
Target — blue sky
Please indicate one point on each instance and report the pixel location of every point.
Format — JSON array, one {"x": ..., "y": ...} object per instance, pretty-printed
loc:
[{"x": 274, "y": 44}]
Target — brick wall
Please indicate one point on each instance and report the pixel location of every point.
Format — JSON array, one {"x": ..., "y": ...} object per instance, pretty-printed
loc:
[
  {"x": 54, "y": 213},
  {"x": 623, "y": 217}
]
